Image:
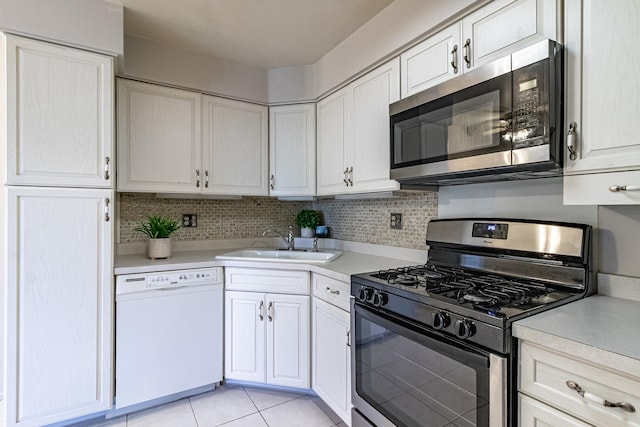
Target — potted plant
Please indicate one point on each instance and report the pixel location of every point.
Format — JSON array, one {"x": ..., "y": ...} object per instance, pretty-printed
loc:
[
  {"x": 307, "y": 220},
  {"x": 159, "y": 230}
]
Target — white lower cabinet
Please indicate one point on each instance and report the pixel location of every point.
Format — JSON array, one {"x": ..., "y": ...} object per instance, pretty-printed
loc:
[
  {"x": 330, "y": 343},
  {"x": 570, "y": 391},
  {"x": 59, "y": 301},
  {"x": 267, "y": 334}
]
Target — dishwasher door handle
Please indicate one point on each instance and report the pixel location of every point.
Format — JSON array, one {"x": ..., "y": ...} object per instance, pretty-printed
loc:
[{"x": 173, "y": 288}]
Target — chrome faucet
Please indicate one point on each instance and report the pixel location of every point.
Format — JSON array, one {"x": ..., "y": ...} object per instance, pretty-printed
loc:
[{"x": 289, "y": 239}]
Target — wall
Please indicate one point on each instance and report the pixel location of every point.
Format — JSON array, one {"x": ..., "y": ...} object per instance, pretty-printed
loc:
[
  {"x": 619, "y": 240},
  {"x": 156, "y": 62},
  {"x": 400, "y": 24},
  {"x": 353, "y": 220},
  {"x": 96, "y": 25}
]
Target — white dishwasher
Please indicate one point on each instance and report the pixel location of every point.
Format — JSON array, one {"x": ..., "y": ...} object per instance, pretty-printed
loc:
[{"x": 168, "y": 333}]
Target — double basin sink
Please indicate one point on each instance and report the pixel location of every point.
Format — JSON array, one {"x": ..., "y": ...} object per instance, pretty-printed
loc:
[{"x": 281, "y": 255}]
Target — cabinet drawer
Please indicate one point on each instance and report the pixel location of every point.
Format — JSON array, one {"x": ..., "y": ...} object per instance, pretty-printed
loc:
[
  {"x": 544, "y": 374},
  {"x": 536, "y": 414},
  {"x": 266, "y": 280},
  {"x": 331, "y": 290},
  {"x": 593, "y": 189}
]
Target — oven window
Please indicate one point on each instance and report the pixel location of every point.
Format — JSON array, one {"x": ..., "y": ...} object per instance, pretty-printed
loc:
[
  {"x": 414, "y": 380},
  {"x": 471, "y": 122}
]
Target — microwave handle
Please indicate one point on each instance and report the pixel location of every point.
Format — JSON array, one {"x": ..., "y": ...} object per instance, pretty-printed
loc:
[{"x": 572, "y": 140}]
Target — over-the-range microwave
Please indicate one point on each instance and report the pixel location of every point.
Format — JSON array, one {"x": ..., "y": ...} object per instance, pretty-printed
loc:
[{"x": 500, "y": 121}]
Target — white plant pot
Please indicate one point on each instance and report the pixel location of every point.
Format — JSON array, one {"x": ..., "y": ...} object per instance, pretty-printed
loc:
[
  {"x": 306, "y": 232},
  {"x": 160, "y": 248}
]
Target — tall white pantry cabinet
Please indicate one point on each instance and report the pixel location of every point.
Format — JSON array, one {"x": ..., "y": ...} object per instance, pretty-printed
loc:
[{"x": 56, "y": 132}]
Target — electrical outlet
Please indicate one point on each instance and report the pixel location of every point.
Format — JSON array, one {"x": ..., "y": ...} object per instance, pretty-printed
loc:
[
  {"x": 189, "y": 220},
  {"x": 396, "y": 221}
]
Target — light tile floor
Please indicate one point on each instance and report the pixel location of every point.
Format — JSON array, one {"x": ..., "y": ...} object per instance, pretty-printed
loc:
[{"x": 236, "y": 406}]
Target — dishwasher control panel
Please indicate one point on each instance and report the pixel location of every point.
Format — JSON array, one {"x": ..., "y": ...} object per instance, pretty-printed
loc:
[{"x": 168, "y": 279}]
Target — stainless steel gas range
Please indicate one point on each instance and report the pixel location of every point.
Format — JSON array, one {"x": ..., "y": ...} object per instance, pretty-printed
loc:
[{"x": 433, "y": 344}]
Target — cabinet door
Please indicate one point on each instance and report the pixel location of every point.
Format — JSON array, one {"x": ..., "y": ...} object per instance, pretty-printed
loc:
[
  {"x": 159, "y": 142},
  {"x": 288, "y": 340},
  {"x": 433, "y": 61},
  {"x": 244, "y": 336},
  {"x": 331, "y": 360},
  {"x": 59, "y": 304},
  {"x": 504, "y": 26},
  {"x": 292, "y": 150},
  {"x": 602, "y": 85},
  {"x": 235, "y": 151},
  {"x": 369, "y": 155},
  {"x": 59, "y": 115},
  {"x": 334, "y": 132},
  {"x": 537, "y": 414}
]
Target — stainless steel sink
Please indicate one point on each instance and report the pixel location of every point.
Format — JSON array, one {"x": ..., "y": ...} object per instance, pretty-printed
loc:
[{"x": 281, "y": 255}]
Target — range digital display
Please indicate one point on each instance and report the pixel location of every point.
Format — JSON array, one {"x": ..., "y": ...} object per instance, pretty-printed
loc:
[{"x": 490, "y": 230}]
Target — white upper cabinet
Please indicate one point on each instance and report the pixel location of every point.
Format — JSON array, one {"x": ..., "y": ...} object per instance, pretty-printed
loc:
[
  {"x": 178, "y": 141},
  {"x": 433, "y": 61},
  {"x": 235, "y": 147},
  {"x": 491, "y": 32},
  {"x": 292, "y": 150},
  {"x": 159, "y": 141},
  {"x": 353, "y": 134},
  {"x": 601, "y": 99},
  {"x": 333, "y": 135},
  {"x": 503, "y": 26},
  {"x": 58, "y": 110}
]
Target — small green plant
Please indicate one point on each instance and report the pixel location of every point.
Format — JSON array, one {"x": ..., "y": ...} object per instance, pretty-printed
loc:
[
  {"x": 158, "y": 227},
  {"x": 308, "y": 218}
]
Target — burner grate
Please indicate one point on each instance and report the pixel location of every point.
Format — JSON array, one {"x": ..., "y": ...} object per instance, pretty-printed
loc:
[{"x": 483, "y": 291}]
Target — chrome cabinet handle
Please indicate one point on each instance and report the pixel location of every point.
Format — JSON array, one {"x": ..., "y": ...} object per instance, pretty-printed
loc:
[
  {"x": 627, "y": 407},
  {"x": 106, "y": 209},
  {"x": 270, "y": 311},
  {"x": 619, "y": 188},
  {"x": 346, "y": 171},
  {"x": 206, "y": 178},
  {"x": 348, "y": 338},
  {"x": 197, "y": 177},
  {"x": 350, "y": 176},
  {"x": 106, "y": 168},
  {"x": 572, "y": 140},
  {"x": 332, "y": 291},
  {"x": 454, "y": 59},
  {"x": 261, "y": 310},
  {"x": 467, "y": 52},
  {"x": 272, "y": 180}
]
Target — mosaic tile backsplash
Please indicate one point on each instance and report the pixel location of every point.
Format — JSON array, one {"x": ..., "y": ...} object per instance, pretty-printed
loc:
[{"x": 365, "y": 221}]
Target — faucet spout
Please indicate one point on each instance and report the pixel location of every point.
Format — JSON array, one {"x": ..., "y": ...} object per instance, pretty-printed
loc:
[{"x": 289, "y": 239}]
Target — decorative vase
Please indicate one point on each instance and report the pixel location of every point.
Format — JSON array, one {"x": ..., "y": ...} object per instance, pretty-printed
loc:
[
  {"x": 306, "y": 232},
  {"x": 160, "y": 248}
]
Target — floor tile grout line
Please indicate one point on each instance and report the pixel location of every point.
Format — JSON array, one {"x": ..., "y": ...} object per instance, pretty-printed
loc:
[{"x": 195, "y": 417}]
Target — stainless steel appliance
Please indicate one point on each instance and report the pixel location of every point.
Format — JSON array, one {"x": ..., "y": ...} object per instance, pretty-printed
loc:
[
  {"x": 500, "y": 121},
  {"x": 433, "y": 344},
  {"x": 168, "y": 336}
]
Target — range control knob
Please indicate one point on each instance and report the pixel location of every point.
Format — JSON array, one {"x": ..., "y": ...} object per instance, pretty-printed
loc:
[
  {"x": 379, "y": 299},
  {"x": 365, "y": 294},
  {"x": 440, "y": 320},
  {"x": 464, "y": 328}
]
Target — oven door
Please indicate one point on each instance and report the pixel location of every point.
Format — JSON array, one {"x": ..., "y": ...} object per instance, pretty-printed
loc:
[{"x": 405, "y": 375}]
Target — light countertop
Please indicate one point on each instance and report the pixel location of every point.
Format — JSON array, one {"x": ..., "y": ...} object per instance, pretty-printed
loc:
[
  {"x": 341, "y": 269},
  {"x": 601, "y": 329}
]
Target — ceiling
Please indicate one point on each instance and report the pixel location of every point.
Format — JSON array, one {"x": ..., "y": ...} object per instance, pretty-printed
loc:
[{"x": 260, "y": 33}]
